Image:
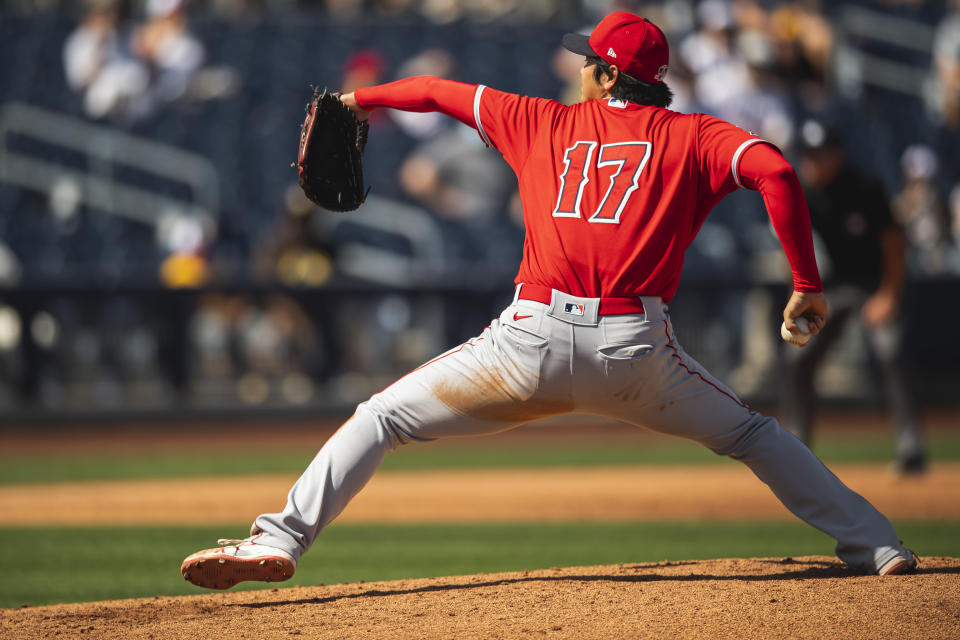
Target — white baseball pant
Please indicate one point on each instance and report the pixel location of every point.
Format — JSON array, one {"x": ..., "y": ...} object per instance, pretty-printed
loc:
[{"x": 542, "y": 359}]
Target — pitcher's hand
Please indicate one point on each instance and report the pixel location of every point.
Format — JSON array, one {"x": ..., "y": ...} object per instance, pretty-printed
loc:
[
  {"x": 351, "y": 102},
  {"x": 812, "y": 306}
]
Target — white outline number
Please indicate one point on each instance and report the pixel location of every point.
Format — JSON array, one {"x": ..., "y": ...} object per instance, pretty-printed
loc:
[
  {"x": 629, "y": 161},
  {"x": 621, "y": 154},
  {"x": 577, "y": 158}
]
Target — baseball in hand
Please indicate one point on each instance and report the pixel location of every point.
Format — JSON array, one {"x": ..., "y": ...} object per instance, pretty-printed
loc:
[{"x": 797, "y": 339}]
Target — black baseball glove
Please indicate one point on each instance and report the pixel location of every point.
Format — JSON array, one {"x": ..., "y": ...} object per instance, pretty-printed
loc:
[{"x": 331, "y": 145}]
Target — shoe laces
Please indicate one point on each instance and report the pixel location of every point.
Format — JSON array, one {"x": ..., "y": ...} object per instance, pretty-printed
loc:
[{"x": 228, "y": 542}]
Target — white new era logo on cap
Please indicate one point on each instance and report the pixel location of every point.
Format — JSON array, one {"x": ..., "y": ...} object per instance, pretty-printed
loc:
[{"x": 611, "y": 52}]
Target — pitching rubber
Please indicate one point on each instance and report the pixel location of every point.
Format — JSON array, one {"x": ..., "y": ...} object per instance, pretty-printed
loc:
[{"x": 222, "y": 572}]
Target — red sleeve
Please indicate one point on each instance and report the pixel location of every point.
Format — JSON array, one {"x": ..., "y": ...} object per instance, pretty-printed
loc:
[
  {"x": 422, "y": 94},
  {"x": 762, "y": 168}
]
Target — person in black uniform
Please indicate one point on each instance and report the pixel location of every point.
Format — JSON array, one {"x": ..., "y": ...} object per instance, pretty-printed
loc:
[{"x": 865, "y": 247}]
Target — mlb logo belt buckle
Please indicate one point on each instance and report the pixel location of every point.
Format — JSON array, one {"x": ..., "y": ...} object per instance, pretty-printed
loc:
[{"x": 573, "y": 308}]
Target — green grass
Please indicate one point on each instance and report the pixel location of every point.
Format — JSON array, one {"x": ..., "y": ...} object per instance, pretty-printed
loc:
[
  {"x": 129, "y": 466},
  {"x": 45, "y": 566},
  {"x": 476, "y": 453}
]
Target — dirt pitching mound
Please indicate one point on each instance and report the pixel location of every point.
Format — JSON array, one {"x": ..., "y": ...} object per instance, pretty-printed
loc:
[{"x": 812, "y": 597}]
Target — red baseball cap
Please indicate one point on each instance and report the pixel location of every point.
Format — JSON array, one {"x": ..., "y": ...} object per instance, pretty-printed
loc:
[{"x": 633, "y": 44}]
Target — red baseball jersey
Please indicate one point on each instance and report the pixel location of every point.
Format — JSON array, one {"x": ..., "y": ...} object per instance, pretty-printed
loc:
[{"x": 613, "y": 192}]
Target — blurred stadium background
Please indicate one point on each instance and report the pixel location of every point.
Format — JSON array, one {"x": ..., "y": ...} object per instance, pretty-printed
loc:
[{"x": 156, "y": 257}]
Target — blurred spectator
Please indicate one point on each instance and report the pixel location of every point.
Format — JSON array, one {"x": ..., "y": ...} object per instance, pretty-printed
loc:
[
  {"x": 866, "y": 253},
  {"x": 261, "y": 350},
  {"x": 455, "y": 176},
  {"x": 127, "y": 77},
  {"x": 734, "y": 67},
  {"x": 803, "y": 44},
  {"x": 270, "y": 346},
  {"x": 165, "y": 45},
  {"x": 92, "y": 43},
  {"x": 432, "y": 62},
  {"x": 945, "y": 99},
  {"x": 720, "y": 73},
  {"x": 277, "y": 339},
  {"x": 186, "y": 240},
  {"x": 97, "y": 62},
  {"x": 10, "y": 268},
  {"x": 919, "y": 211},
  {"x": 363, "y": 68},
  {"x": 294, "y": 252},
  {"x": 764, "y": 106}
]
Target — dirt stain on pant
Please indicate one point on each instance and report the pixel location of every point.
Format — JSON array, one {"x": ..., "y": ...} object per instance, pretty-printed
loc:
[{"x": 488, "y": 396}]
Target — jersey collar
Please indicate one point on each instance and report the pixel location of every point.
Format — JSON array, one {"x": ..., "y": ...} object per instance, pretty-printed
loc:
[{"x": 616, "y": 103}]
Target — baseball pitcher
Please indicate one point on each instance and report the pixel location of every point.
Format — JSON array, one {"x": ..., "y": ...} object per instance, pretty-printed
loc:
[{"x": 614, "y": 189}]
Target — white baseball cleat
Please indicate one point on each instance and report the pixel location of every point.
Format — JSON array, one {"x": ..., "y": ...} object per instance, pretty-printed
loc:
[
  {"x": 899, "y": 564},
  {"x": 236, "y": 561}
]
